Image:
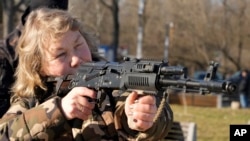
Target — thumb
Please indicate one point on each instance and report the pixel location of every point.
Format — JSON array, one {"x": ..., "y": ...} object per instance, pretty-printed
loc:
[{"x": 129, "y": 102}]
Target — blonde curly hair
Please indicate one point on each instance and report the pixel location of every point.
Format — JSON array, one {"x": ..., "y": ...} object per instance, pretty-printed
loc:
[{"x": 42, "y": 25}]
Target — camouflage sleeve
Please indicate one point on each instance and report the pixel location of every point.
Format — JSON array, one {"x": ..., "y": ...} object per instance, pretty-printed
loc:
[
  {"x": 44, "y": 122},
  {"x": 156, "y": 132}
]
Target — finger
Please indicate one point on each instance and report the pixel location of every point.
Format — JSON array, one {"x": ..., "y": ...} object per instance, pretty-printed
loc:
[
  {"x": 87, "y": 92},
  {"x": 91, "y": 100},
  {"x": 131, "y": 98},
  {"x": 81, "y": 114},
  {"x": 84, "y": 110},
  {"x": 85, "y": 102},
  {"x": 145, "y": 108},
  {"x": 129, "y": 103},
  {"x": 147, "y": 99},
  {"x": 141, "y": 125},
  {"x": 143, "y": 116}
]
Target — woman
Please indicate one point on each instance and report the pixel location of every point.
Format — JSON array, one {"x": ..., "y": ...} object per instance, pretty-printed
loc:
[
  {"x": 8, "y": 58},
  {"x": 53, "y": 45}
]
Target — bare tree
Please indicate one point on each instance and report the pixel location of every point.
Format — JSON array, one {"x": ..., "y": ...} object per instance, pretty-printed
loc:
[
  {"x": 203, "y": 30},
  {"x": 189, "y": 34},
  {"x": 234, "y": 24},
  {"x": 207, "y": 31},
  {"x": 114, "y": 8}
]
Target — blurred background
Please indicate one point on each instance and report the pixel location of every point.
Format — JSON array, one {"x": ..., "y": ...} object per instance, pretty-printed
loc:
[{"x": 186, "y": 32}]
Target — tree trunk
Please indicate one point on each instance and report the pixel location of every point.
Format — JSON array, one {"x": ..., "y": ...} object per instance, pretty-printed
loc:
[
  {"x": 115, "y": 44},
  {"x": 8, "y": 16},
  {"x": 140, "y": 28}
]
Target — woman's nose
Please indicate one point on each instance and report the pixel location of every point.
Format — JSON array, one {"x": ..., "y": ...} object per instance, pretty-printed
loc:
[{"x": 76, "y": 61}]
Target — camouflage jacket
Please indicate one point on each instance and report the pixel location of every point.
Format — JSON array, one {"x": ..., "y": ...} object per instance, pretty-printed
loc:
[
  {"x": 8, "y": 64},
  {"x": 27, "y": 119}
]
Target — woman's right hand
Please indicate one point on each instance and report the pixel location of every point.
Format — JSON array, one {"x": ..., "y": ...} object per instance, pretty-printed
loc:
[{"x": 76, "y": 105}]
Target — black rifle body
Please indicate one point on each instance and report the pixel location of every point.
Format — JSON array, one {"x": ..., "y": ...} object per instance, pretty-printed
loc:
[{"x": 147, "y": 75}]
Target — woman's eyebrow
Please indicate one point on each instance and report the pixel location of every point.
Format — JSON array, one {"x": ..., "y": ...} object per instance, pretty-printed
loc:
[
  {"x": 56, "y": 49},
  {"x": 59, "y": 48}
]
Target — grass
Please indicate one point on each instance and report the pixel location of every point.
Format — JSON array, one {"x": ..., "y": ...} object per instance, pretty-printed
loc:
[{"x": 213, "y": 124}]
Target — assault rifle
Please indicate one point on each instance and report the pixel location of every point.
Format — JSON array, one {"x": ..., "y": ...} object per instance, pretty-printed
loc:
[{"x": 153, "y": 77}]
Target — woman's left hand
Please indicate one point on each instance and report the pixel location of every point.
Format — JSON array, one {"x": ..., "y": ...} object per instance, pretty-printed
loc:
[{"x": 140, "y": 111}]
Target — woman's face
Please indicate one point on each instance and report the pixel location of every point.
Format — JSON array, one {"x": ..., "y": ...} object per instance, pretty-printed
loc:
[{"x": 64, "y": 56}]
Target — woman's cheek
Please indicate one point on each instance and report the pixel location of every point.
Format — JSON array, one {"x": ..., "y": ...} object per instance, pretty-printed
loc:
[
  {"x": 57, "y": 70},
  {"x": 62, "y": 70}
]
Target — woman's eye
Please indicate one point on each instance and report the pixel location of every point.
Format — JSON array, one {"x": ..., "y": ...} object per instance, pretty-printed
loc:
[
  {"x": 78, "y": 46},
  {"x": 61, "y": 55}
]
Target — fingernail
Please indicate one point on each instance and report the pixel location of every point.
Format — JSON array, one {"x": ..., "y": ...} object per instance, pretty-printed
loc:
[{"x": 136, "y": 101}]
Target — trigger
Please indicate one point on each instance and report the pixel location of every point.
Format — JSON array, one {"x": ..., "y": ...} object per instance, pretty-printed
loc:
[{"x": 101, "y": 96}]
